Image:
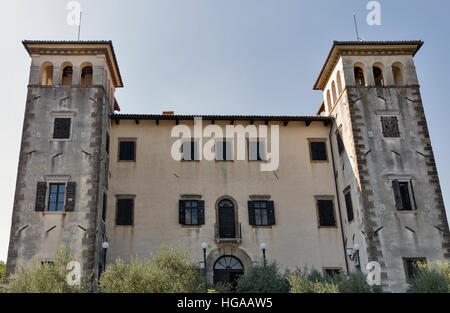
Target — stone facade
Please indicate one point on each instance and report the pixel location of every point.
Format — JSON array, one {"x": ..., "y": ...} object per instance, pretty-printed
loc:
[{"x": 364, "y": 170}]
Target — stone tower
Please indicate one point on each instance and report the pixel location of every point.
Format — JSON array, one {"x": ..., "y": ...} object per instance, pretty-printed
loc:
[
  {"x": 386, "y": 172},
  {"x": 64, "y": 159}
]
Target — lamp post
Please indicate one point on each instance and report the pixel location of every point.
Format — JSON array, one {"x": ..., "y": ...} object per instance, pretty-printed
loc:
[
  {"x": 105, "y": 247},
  {"x": 264, "y": 248},
  {"x": 353, "y": 255},
  {"x": 204, "y": 247}
]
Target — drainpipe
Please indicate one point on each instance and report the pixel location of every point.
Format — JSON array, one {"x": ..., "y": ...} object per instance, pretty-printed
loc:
[{"x": 337, "y": 194}]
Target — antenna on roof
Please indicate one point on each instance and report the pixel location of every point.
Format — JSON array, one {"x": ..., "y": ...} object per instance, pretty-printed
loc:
[
  {"x": 79, "y": 26},
  {"x": 356, "y": 28}
]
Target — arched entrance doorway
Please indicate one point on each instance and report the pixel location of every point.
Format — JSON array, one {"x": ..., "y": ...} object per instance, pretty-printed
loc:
[
  {"x": 228, "y": 269},
  {"x": 227, "y": 221}
]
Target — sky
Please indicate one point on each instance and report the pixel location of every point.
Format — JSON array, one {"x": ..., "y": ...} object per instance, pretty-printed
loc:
[{"x": 219, "y": 57}]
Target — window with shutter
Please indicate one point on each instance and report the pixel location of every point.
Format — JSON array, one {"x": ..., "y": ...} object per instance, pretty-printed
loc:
[
  {"x": 40, "y": 196},
  {"x": 256, "y": 150},
  {"x": 125, "y": 212},
  {"x": 192, "y": 212},
  {"x": 71, "y": 190},
  {"x": 349, "y": 206},
  {"x": 326, "y": 213},
  {"x": 261, "y": 213},
  {"x": 61, "y": 128},
  {"x": 318, "y": 151},
  {"x": 127, "y": 151},
  {"x": 340, "y": 143},
  {"x": 224, "y": 150},
  {"x": 390, "y": 127},
  {"x": 56, "y": 197}
]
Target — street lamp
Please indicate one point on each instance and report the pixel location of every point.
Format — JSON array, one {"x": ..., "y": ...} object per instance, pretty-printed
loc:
[
  {"x": 353, "y": 255},
  {"x": 204, "y": 247},
  {"x": 264, "y": 248}
]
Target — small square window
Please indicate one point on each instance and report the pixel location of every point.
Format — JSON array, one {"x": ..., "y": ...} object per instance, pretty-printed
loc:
[
  {"x": 62, "y": 128},
  {"x": 190, "y": 151},
  {"x": 127, "y": 150},
  {"x": 318, "y": 151},
  {"x": 390, "y": 127},
  {"x": 410, "y": 265},
  {"x": 192, "y": 212},
  {"x": 261, "y": 213},
  {"x": 256, "y": 150},
  {"x": 125, "y": 209},
  {"x": 224, "y": 150}
]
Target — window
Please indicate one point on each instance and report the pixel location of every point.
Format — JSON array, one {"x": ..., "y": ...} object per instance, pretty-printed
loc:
[
  {"x": 339, "y": 82},
  {"x": 318, "y": 150},
  {"x": 330, "y": 105},
  {"x": 190, "y": 151},
  {"x": 341, "y": 146},
  {"x": 125, "y": 212},
  {"x": 410, "y": 265},
  {"x": 127, "y": 150},
  {"x": 378, "y": 76},
  {"x": 256, "y": 150},
  {"x": 404, "y": 195},
  {"x": 261, "y": 213},
  {"x": 86, "y": 76},
  {"x": 191, "y": 212},
  {"x": 107, "y": 143},
  {"x": 326, "y": 215},
  {"x": 47, "y": 74},
  {"x": 62, "y": 128},
  {"x": 67, "y": 76},
  {"x": 333, "y": 90},
  {"x": 390, "y": 127},
  {"x": 331, "y": 272},
  {"x": 61, "y": 197},
  {"x": 397, "y": 71},
  {"x": 56, "y": 197},
  {"x": 104, "y": 207},
  {"x": 359, "y": 77},
  {"x": 349, "y": 206},
  {"x": 224, "y": 150}
]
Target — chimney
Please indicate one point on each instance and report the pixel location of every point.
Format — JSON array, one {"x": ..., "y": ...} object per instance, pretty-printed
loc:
[{"x": 168, "y": 113}]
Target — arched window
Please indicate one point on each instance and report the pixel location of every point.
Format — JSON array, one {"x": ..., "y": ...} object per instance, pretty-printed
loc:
[
  {"x": 86, "y": 75},
  {"x": 329, "y": 104},
  {"x": 359, "y": 77},
  {"x": 398, "y": 72},
  {"x": 378, "y": 76},
  {"x": 47, "y": 74},
  {"x": 67, "y": 74},
  {"x": 339, "y": 83},
  {"x": 227, "y": 270},
  {"x": 333, "y": 89}
]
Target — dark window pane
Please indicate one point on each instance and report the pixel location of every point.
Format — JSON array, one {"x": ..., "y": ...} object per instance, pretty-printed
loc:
[
  {"x": 264, "y": 220},
  {"x": 319, "y": 151},
  {"x": 56, "y": 197},
  {"x": 326, "y": 213},
  {"x": 124, "y": 212},
  {"x": 61, "y": 128},
  {"x": 349, "y": 205},
  {"x": 127, "y": 151},
  {"x": 404, "y": 192},
  {"x": 188, "y": 217},
  {"x": 258, "y": 217},
  {"x": 194, "y": 217}
]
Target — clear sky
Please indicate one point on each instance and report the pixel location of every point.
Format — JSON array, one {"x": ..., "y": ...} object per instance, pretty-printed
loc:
[{"x": 219, "y": 56}]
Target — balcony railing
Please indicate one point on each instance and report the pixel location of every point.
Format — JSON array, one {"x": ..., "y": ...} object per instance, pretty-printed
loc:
[{"x": 237, "y": 238}]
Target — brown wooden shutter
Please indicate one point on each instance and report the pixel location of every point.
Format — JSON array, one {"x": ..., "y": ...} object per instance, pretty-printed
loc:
[
  {"x": 182, "y": 212},
  {"x": 40, "y": 196},
  {"x": 251, "y": 213},
  {"x": 71, "y": 190},
  {"x": 270, "y": 213},
  {"x": 201, "y": 212},
  {"x": 397, "y": 195}
]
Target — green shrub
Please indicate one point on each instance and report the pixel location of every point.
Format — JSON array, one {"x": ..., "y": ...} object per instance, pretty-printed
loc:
[
  {"x": 263, "y": 279},
  {"x": 46, "y": 277},
  {"x": 311, "y": 283},
  {"x": 315, "y": 282},
  {"x": 170, "y": 271},
  {"x": 431, "y": 278},
  {"x": 2, "y": 271}
]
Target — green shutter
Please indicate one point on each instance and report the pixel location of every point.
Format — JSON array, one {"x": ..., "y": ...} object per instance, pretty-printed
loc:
[
  {"x": 71, "y": 190},
  {"x": 40, "y": 196},
  {"x": 201, "y": 212},
  {"x": 271, "y": 213},
  {"x": 251, "y": 213},
  {"x": 182, "y": 213}
]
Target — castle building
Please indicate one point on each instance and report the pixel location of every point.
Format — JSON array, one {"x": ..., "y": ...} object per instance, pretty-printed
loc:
[{"x": 356, "y": 183}]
